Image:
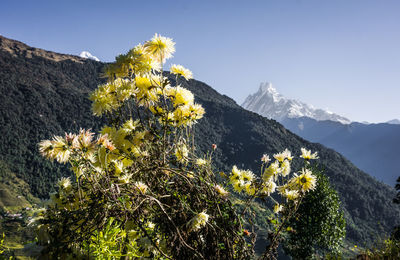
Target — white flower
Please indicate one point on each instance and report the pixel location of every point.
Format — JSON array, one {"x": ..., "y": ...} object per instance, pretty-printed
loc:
[
  {"x": 265, "y": 158},
  {"x": 269, "y": 187},
  {"x": 201, "y": 162},
  {"x": 64, "y": 183},
  {"x": 285, "y": 168},
  {"x": 221, "y": 191},
  {"x": 140, "y": 186},
  {"x": 306, "y": 154}
]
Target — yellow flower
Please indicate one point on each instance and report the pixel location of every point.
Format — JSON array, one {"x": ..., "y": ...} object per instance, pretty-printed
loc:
[
  {"x": 196, "y": 111},
  {"x": 249, "y": 188},
  {"x": 181, "y": 71},
  {"x": 305, "y": 181},
  {"x": 140, "y": 62},
  {"x": 146, "y": 91},
  {"x": 236, "y": 174},
  {"x": 238, "y": 185},
  {"x": 247, "y": 176},
  {"x": 180, "y": 96},
  {"x": 306, "y": 154},
  {"x": 286, "y": 154},
  {"x": 160, "y": 48},
  {"x": 277, "y": 208},
  {"x": 181, "y": 152},
  {"x": 84, "y": 143}
]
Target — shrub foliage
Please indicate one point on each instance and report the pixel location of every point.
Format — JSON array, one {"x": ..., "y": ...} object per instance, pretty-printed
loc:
[{"x": 142, "y": 189}]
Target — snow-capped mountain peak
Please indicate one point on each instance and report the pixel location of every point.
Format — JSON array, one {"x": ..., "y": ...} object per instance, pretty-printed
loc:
[
  {"x": 394, "y": 122},
  {"x": 88, "y": 55},
  {"x": 268, "y": 102}
]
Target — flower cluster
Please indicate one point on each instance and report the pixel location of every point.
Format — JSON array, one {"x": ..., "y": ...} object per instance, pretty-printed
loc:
[
  {"x": 140, "y": 182},
  {"x": 276, "y": 176}
]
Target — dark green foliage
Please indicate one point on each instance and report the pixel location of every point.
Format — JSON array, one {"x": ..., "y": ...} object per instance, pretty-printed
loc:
[
  {"x": 396, "y": 200},
  {"x": 41, "y": 97},
  {"x": 319, "y": 225}
]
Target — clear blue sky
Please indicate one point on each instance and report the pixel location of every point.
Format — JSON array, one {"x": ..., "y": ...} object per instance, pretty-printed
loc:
[{"x": 341, "y": 55}]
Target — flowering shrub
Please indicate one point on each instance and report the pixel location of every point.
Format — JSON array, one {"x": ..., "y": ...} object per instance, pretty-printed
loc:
[
  {"x": 140, "y": 187},
  {"x": 277, "y": 183}
]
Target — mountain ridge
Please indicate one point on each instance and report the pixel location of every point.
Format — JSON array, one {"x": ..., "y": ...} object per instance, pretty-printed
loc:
[
  {"x": 43, "y": 97},
  {"x": 269, "y": 103}
]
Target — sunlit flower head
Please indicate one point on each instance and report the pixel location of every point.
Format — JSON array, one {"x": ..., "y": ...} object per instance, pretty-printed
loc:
[
  {"x": 247, "y": 176},
  {"x": 61, "y": 150},
  {"x": 106, "y": 142},
  {"x": 249, "y": 188},
  {"x": 181, "y": 152},
  {"x": 288, "y": 154},
  {"x": 238, "y": 185},
  {"x": 268, "y": 187},
  {"x": 221, "y": 191},
  {"x": 64, "y": 183},
  {"x": 196, "y": 111},
  {"x": 125, "y": 178},
  {"x": 141, "y": 187},
  {"x": 198, "y": 221},
  {"x": 140, "y": 61},
  {"x": 291, "y": 194},
  {"x": 236, "y": 174},
  {"x": 181, "y": 71},
  {"x": 306, "y": 180},
  {"x": 201, "y": 162},
  {"x": 46, "y": 149},
  {"x": 285, "y": 168},
  {"x": 180, "y": 96},
  {"x": 278, "y": 208},
  {"x": 306, "y": 154},
  {"x": 84, "y": 142},
  {"x": 160, "y": 48},
  {"x": 265, "y": 158}
]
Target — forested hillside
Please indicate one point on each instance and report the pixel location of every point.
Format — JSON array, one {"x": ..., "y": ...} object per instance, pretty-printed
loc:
[{"x": 45, "y": 93}]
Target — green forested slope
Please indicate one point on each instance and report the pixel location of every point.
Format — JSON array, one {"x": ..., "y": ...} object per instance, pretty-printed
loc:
[{"x": 45, "y": 93}]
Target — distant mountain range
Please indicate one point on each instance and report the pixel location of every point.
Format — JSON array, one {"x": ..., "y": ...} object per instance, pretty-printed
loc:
[
  {"x": 269, "y": 103},
  {"x": 374, "y": 148},
  {"x": 394, "y": 122},
  {"x": 46, "y": 93}
]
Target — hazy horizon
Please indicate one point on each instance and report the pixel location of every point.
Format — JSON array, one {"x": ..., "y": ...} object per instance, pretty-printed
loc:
[{"x": 341, "y": 55}]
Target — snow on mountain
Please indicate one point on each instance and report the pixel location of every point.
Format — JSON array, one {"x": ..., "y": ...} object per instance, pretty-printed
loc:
[
  {"x": 394, "y": 122},
  {"x": 88, "y": 55},
  {"x": 269, "y": 103}
]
